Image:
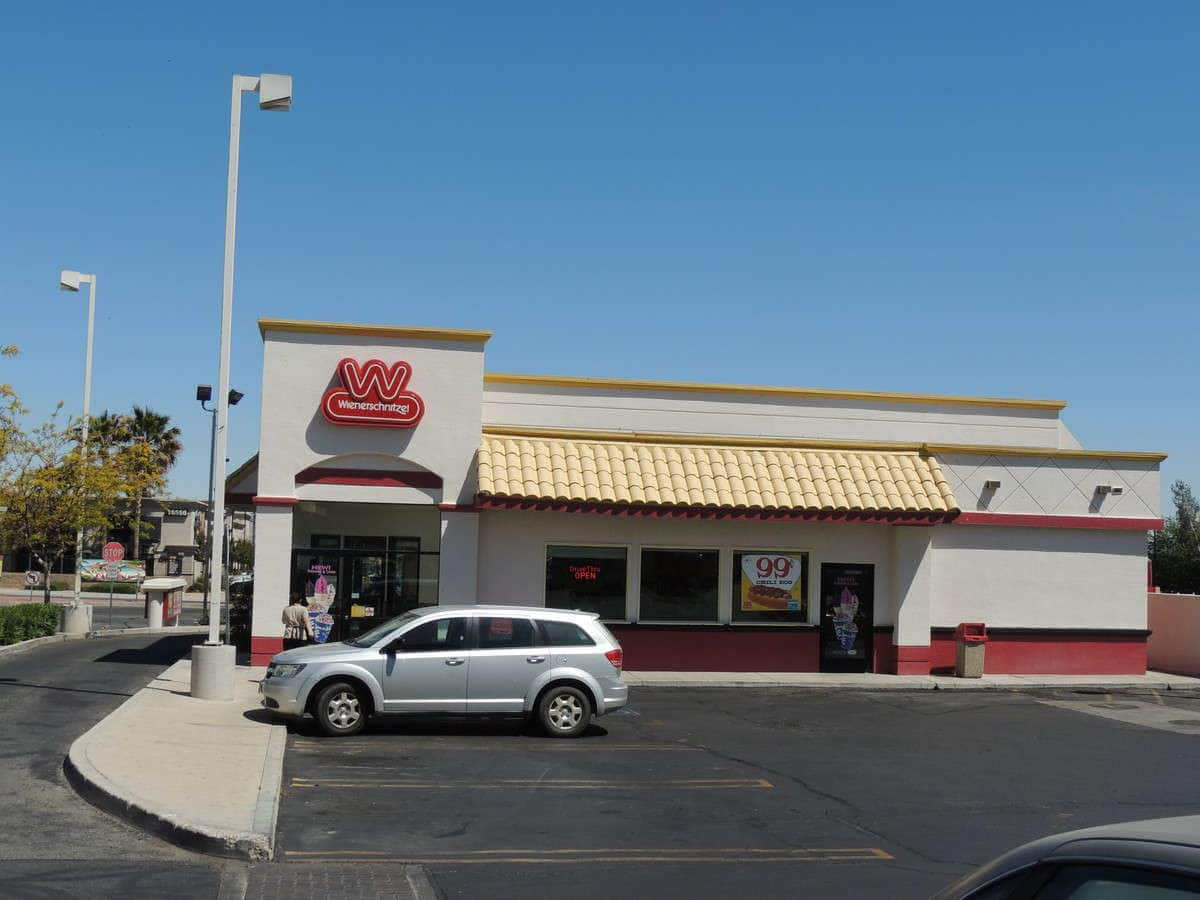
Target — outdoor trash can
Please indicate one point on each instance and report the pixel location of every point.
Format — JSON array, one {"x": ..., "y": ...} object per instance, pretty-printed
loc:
[{"x": 970, "y": 639}]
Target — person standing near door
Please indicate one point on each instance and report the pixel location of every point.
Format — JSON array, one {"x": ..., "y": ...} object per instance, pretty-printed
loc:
[{"x": 297, "y": 626}]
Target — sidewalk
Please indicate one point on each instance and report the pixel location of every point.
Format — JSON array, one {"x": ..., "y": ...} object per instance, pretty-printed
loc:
[
  {"x": 201, "y": 773},
  {"x": 868, "y": 681}
]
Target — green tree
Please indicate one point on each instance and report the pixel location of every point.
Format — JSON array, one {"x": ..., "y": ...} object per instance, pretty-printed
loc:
[
  {"x": 140, "y": 475},
  {"x": 1175, "y": 551},
  {"x": 10, "y": 410},
  {"x": 154, "y": 431},
  {"x": 241, "y": 555},
  {"x": 51, "y": 492}
]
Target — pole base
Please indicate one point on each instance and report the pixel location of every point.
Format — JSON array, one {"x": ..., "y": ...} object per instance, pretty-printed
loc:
[
  {"x": 75, "y": 619},
  {"x": 213, "y": 669}
]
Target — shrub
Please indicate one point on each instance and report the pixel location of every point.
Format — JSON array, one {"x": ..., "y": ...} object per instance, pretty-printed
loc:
[
  {"x": 118, "y": 587},
  {"x": 27, "y": 620},
  {"x": 61, "y": 585}
]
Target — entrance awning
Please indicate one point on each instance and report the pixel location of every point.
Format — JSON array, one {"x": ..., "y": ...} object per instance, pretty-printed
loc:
[{"x": 655, "y": 478}]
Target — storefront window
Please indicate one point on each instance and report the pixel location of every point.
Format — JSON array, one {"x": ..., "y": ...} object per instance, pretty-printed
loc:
[
  {"x": 587, "y": 578},
  {"x": 679, "y": 584},
  {"x": 770, "y": 586}
]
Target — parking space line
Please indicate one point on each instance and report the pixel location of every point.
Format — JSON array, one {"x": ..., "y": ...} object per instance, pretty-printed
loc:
[
  {"x": 323, "y": 746},
  {"x": 609, "y": 855},
  {"x": 687, "y": 784}
]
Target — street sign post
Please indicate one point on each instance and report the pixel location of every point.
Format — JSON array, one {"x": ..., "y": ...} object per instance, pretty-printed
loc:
[
  {"x": 112, "y": 554},
  {"x": 32, "y": 580}
]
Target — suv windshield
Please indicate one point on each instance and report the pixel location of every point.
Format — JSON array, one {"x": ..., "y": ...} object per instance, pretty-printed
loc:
[{"x": 367, "y": 638}]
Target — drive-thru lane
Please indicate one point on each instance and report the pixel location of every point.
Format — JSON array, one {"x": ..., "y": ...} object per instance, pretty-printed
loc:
[
  {"x": 702, "y": 793},
  {"x": 52, "y": 842}
]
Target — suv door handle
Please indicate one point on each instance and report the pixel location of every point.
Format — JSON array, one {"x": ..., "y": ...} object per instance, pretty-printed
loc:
[
  {"x": 535, "y": 659},
  {"x": 458, "y": 661}
]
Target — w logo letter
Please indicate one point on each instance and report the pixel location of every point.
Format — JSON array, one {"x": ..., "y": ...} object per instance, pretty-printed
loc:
[{"x": 373, "y": 393}]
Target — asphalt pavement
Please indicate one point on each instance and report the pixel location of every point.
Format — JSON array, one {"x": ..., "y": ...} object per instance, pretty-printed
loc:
[
  {"x": 52, "y": 843},
  {"x": 708, "y": 793}
]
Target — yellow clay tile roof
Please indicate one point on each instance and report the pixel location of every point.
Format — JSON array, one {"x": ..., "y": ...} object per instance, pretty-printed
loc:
[{"x": 715, "y": 477}]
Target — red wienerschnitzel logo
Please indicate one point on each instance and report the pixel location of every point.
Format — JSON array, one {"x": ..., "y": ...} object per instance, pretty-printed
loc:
[{"x": 373, "y": 393}]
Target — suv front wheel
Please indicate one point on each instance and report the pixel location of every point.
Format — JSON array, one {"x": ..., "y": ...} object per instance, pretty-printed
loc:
[
  {"x": 340, "y": 709},
  {"x": 564, "y": 711}
]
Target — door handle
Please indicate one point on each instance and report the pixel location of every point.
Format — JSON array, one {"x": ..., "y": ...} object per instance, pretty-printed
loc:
[
  {"x": 535, "y": 659},
  {"x": 455, "y": 662}
]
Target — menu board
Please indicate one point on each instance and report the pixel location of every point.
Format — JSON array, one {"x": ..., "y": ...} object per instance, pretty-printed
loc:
[
  {"x": 847, "y": 610},
  {"x": 771, "y": 582}
]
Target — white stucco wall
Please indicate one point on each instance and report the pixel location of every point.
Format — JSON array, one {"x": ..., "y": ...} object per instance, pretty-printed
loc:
[
  {"x": 1038, "y": 577},
  {"x": 775, "y": 416},
  {"x": 1040, "y": 485},
  {"x": 512, "y": 551}
]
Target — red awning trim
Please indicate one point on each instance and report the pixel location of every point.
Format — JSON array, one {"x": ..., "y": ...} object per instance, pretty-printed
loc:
[
  {"x": 276, "y": 501},
  {"x": 1031, "y": 521},
  {"x": 369, "y": 477},
  {"x": 696, "y": 512}
]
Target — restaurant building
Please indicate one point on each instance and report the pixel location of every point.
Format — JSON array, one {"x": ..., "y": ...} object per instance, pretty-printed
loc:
[{"x": 713, "y": 527}]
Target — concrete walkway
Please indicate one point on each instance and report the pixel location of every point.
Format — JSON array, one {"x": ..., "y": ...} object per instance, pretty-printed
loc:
[
  {"x": 203, "y": 774},
  {"x": 868, "y": 681}
]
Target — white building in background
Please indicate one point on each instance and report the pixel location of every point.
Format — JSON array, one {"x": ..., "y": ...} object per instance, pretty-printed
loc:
[{"x": 714, "y": 527}]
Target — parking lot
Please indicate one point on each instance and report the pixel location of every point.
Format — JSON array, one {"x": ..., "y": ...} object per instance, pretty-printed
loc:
[{"x": 704, "y": 792}]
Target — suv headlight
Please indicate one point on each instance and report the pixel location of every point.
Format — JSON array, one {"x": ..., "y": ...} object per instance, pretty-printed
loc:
[{"x": 284, "y": 670}]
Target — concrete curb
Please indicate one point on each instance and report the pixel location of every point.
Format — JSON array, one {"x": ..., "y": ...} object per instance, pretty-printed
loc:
[
  {"x": 92, "y": 785},
  {"x": 914, "y": 683},
  {"x": 32, "y": 643}
]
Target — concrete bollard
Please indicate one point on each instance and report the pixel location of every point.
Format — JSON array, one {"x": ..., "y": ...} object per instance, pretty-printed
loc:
[
  {"x": 213, "y": 670},
  {"x": 75, "y": 619}
]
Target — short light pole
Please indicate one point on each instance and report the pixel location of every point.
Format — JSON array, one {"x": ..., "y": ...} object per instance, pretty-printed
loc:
[
  {"x": 212, "y": 664},
  {"x": 204, "y": 394},
  {"x": 70, "y": 280}
]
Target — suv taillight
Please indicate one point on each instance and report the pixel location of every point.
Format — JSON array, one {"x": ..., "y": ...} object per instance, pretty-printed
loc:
[{"x": 616, "y": 657}]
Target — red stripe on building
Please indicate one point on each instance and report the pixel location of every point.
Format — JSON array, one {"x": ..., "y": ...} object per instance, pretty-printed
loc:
[
  {"x": 1029, "y": 521},
  {"x": 263, "y": 648}
]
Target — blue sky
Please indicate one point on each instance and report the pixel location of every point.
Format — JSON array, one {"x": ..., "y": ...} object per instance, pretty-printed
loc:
[{"x": 920, "y": 197}]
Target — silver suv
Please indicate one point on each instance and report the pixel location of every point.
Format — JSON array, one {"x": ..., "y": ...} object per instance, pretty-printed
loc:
[{"x": 557, "y": 666}]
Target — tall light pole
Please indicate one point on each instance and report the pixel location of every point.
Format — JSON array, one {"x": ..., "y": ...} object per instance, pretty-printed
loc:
[
  {"x": 70, "y": 280},
  {"x": 212, "y": 673},
  {"x": 204, "y": 394}
]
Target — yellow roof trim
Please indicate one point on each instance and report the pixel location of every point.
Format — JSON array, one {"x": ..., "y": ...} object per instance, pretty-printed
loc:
[
  {"x": 692, "y": 387},
  {"x": 301, "y": 326},
  {"x": 241, "y": 471},
  {"x": 720, "y": 440},
  {"x": 1057, "y": 452}
]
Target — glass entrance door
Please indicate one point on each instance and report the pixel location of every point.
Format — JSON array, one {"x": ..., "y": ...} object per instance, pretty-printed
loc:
[{"x": 354, "y": 583}]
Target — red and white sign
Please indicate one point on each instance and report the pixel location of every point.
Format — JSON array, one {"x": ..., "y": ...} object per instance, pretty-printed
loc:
[
  {"x": 373, "y": 393},
  {"x": 112, "y": 552}
]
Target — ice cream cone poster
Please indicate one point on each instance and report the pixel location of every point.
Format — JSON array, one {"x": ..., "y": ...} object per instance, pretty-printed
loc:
[{"x": 772, "y": 582}]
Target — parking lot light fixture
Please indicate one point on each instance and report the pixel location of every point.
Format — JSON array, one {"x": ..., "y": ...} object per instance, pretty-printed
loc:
[
  {"x": 274, "y": 93},
  {"x": 70, "y": 280}
]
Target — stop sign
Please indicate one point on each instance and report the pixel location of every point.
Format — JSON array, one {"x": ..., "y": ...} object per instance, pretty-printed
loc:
[{"x": 113, "y": 552}]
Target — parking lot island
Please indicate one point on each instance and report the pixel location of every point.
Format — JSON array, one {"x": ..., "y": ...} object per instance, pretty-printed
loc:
[{"x": 201, "y": 774}]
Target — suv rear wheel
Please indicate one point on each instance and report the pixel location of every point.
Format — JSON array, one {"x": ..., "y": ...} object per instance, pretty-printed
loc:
[
  {"x": 564, "y": 711},
  {"x": 341, "y": 709}
]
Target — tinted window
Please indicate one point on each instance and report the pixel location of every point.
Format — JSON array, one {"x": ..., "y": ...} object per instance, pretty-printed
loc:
[
  {"x": 497, "y": 633},
  {"x": 679, "y": 584},
  {"x": 587, "y": 578},
  {"x": 1117, "y": 883},
  {"x": 438, "y": 634},
  {"x": 565, "y": 634}
]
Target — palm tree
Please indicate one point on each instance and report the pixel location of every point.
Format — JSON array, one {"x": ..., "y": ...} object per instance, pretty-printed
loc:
[{"x": 146, "y": 426}]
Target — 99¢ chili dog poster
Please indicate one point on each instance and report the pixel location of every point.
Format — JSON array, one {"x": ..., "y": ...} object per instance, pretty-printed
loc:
[{"x": 771, "y": 583}]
